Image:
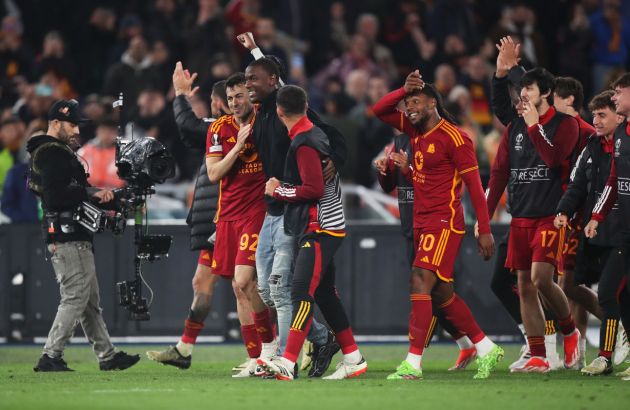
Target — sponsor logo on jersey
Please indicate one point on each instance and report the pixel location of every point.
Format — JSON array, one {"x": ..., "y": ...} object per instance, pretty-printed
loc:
[
  {"x": 528, "y": 175},
  {"x": 418, "y": 160}
]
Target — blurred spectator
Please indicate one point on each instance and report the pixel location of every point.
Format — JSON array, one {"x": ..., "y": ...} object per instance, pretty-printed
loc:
[
  {"x": 611, "y": 41},
  {"x": 100, "y": 156},
  {"x": 519, "y": 21},
  {"x": 95, "y": 43},
  {"x": 133, "y": 73},
  {"x": 452, "y": 17},
  {"x": 374, "y": 134},
  {"x": 357, "y": 85},
  {"x": 130, "y": 27},
  {"x": 11, "y": 140},
  {"x": 163, "y": 63},
  {"x": 574, "y": 44},
  {"x": 267, "y": 38},
  {"x": 54, "y": 60},
  {"x": 165, "y": 24},
  {"x": 337, "y": 108},
  {"x": 242, "y": 15},
  {"x": 445, "y": 79},
  {"x": 356, "y": 57},
  {"x": 205, "y": 37},
  {"x": 477, "y": 80},
  {"x": 16, "y": 58}
]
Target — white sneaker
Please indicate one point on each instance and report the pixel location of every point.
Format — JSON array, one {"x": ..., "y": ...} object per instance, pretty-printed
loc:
[
  {"x": 622, "y": 348},
  {"x": 241, "y": 366},
  {"x": 524, "y": 357},
  {"x": 348, "y": 371},
  {"x": 277, "y": 366},
  {"x": 599, "y": 366},
  {"x": 248, "y": 371}
]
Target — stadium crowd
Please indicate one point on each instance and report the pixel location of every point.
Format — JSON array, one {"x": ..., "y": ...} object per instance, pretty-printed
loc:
[{"x": 347, "y": 54}]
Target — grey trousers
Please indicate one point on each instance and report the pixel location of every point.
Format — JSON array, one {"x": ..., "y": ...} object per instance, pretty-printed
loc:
[{"x": 74, "y": 267}]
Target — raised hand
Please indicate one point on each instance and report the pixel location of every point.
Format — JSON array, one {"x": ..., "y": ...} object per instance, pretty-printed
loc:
[
  {"x": 183, "y": 80},
  {"x": 413, "y": 82},
  {"x": 247, "y": 40}
]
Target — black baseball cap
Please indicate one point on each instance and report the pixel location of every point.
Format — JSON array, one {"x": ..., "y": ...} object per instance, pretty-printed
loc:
[{"x": 66, "y": 110}]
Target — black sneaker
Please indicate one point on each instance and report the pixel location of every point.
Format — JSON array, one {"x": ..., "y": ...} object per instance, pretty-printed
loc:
[
  {"x": 50, "y": 364},
  {"x": 120, "y": 361},
  {"x": 322, "y": 356}
]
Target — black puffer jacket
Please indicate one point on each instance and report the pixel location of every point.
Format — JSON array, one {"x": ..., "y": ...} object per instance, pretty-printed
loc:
[{"x": 192, "y": 132}]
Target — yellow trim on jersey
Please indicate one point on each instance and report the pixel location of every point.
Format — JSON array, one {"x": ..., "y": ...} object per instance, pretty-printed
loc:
[
  {"x": 454, "y": 133},
  {"x": 469, "y": 169},
  {"x": 456, "y": 181},
  {"x": 216, "y": 125},
  {"x": 331, "y": 233},
  {"x": 435, "y": 127},
  {"x": 214, "y": 155}
]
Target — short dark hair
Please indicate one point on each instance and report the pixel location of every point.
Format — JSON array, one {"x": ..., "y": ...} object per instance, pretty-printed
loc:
[
  {"x": 569, "y": 86},
  {"x": 267, "y": 64},
  {"x": 292, "y": 100},
  {"x": 543, "y": 79},
  {"x": 623, "y": 81},
  {"x": 218, "y": 89},
  {"x": 602, "y": 100},
  {"x": 234, "y": 80}
]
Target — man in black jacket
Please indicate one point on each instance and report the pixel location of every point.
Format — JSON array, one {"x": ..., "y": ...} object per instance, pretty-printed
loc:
[
  {"x": 57, "y": 176},
  {"x": 193, "y": 131},
  {"x": 275, "y": 254}
]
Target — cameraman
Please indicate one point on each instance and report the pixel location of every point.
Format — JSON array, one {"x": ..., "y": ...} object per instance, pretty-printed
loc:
[{"x": 58, "y": 178}]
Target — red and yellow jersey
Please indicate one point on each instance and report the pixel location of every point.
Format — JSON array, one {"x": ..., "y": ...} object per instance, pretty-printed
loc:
[
  {"x": 440, "y": 157},
  {"x": 242, "y": 189}
]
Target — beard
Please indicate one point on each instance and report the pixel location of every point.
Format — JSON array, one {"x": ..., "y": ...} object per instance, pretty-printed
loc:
[{"x": 69, "y": 139}]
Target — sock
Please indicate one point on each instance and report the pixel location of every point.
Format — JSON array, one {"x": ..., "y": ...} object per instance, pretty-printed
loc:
[
  {"x": 345, "y": 338},
  {"x": 537, "y": 346},
  {"x": 191, "y": 331},
  {"x": 550, "y": 327},
  {"x": 582, "y": 346},
  {"x": 185, "y": 349},
  {"x": 456, "y": 311},
  {"x": 415, "y": 360},
  {"x": 464, "y": 343},
  {"x": 484, "y": 346},
  {"x": 295, "y": 341},
  {"x": 419, "y": 322},
  {"x": 251, "y": 340},
  {"x": 521, "y": 327},
  {"x": 567, "y": 325},
  {"x": 550, "y": 345},
  {"x": 352, "y": 357},
  {"x": 607, "y": 337},
  {"x": 431, "y": 331},
  {"x": 262, "y": 320}
]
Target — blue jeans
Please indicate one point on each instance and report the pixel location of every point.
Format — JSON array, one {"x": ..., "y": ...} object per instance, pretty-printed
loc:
[{"x": 275, "y": 260}]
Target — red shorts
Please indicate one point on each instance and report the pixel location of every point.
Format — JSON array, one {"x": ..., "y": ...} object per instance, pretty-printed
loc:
[
  {"x": 534, "y": 240},
  {"x": 236, "y": 244},
  {"x": 569, "y": 250},
  {"x": 205, "y": 258},
  {"x": 436, "y": 250}
]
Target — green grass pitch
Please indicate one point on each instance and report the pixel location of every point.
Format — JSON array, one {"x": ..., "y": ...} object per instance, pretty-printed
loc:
[{"x": 208, "y": 385}]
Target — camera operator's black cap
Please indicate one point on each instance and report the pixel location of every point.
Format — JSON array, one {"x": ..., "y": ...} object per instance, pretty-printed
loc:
[{"x": 66, "y": 110}]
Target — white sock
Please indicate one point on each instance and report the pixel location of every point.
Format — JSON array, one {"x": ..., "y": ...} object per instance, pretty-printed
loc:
[
  {"x": 464, "y": 343},
  {"x": 521, "y": 327},
  {"x": 289, "y": 363},
  {"x": 550, "y": 345},
  {"x": 582, "y": 346},
  {"x": 352, "y": 358},
  {"x": 185, "y": 349},
  {"x": 484, "y": 346},
  {"x": 414, "y": 360}
]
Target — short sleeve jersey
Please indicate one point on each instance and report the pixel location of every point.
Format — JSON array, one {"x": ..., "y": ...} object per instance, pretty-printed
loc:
[{"x": 241, "y": 190}]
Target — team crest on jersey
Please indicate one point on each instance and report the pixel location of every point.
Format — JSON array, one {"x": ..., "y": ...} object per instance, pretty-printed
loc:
[
  {"x": 248, "y": 154},
  {"x": 617, "y": 146},
  {"x": 431, "y": 149},
  {"x": 519, "y": 142},
  {"x": 418, "y": 160}
]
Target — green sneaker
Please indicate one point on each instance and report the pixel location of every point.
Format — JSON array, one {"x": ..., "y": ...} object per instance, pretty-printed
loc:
[
  {"x": 487, "y": 363},
  {"x": 405, "y": 372}
]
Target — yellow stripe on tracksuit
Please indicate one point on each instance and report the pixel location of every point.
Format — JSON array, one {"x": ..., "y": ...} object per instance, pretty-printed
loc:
[{"x": 300, "y": 318}]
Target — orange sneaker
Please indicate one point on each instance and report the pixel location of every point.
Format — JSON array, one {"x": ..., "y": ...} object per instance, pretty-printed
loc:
[
  {"x": 466, "y": 356},
  {"x": 572, "y": 349},
  {"x": 535, "y": 364}
]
